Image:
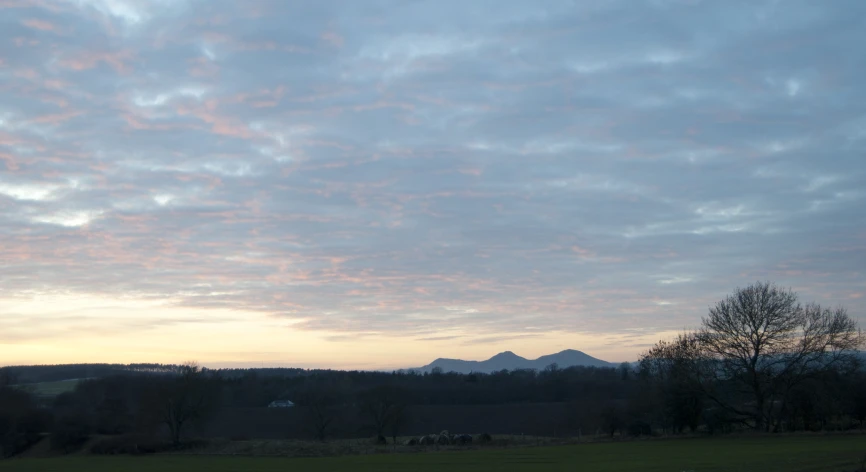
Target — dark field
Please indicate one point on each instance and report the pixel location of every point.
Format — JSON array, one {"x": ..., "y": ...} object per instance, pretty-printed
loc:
[
  {"x": 807, "y": 453},
  {"x": 536, "y": 419}
]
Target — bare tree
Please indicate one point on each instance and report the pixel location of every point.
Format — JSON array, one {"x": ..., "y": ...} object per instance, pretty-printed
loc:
[
  {"x": 384, "y": 406},
  {"x": 765, "y": 343},
  {"x": 320, "y": 417},
  {"x": 625, "y": 370},
  {"x": 613, "y": 418},
  {"x": 319, "y": 410},
  {"x": 377, "y": 405},
  {"x": 184, "y": 400},
  {"x": 7, "y": 378},
  {"x": 399, "y": 418},
  {"x": 672, "y": 370}
]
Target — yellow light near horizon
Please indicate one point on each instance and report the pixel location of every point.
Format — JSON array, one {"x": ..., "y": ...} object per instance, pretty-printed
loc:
[{"x": 87, "y": 328}]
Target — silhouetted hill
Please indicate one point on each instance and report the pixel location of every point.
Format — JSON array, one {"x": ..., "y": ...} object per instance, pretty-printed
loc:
[{"x": 510, "y": 361}]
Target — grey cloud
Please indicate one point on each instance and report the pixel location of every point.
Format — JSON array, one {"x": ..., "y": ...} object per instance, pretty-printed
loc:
[
  {"x": 362, "y": 166},
  {"x": 497, "y": 339},
  {"x": 439, "y": 338}
]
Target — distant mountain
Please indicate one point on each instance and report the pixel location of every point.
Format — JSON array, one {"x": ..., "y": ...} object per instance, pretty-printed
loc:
[{"x": 510, "y": 361}]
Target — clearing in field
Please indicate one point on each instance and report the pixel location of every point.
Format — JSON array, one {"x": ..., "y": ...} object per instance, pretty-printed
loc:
[
  {"x": 50, "y": 389},
  {"x": 804, "y": 453}
]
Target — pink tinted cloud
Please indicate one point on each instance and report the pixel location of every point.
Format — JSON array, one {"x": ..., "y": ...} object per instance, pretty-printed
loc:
[
  {"x": 333, "y": 39},
  {"x": 202, "y": 67},
  {"x": 22, "y": 41},
  {"x": 90, "y": 59},
  {"x": 583, "y": 252},
  {"x": 225, "y": 125},
  {"x": 40, "y": 25},
  {"x": 10, "y": 161},
  {"x": 55, "y": 100},
  {"x": 265, "y": 98},
  {"x": 237, "y": 44},
  {"x": 57, "y": 117},
  {"x": 55, "y": 83},
  {"x": 27, "y": 73}
]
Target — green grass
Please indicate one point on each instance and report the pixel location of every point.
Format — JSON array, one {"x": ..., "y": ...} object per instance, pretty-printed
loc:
[
  {"x": 805, "y": 453},
  {"x": 50, "y": 389}
]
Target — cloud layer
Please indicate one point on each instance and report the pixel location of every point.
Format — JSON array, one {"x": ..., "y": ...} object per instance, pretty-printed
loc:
[{"x": 451, "y": 172}]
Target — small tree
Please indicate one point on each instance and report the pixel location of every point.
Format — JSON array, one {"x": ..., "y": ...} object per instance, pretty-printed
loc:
[
  {"x": 7, "y": 378},
  {"x": 625, "y": 370},
  {"x": 674, "y": 369},
  {"x": 377, "y": 406},
  {"x": 21, "y": 422},
  {"x": 184, "y": 400},
  {"x": 383, "y": 406},
  {"x": 613, "y": 418},
  {"x": 857, "y": 395},
  {"x": 399, "y": 418},
  {"x": 320, "y": 417},
  {"x": 319, "y": 404}
]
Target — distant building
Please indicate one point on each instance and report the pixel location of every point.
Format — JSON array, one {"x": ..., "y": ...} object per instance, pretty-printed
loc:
[{"x": 281, "y": 404}]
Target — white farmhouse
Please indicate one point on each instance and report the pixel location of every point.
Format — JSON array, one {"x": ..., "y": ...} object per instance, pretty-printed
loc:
[{"x": 281, "y": 404}]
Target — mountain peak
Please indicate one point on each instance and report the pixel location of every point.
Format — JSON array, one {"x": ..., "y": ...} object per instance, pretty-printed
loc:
[
  {"x": 508, "y": 360},
  {"x": 506, "y": 355}
]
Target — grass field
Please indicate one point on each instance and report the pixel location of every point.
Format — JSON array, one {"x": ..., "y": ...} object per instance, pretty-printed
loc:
[
  {"x": 759, "y": 454},
  {"x": 50, "y": 389}
]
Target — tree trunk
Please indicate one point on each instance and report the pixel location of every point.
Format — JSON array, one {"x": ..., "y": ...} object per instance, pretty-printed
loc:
[{"x": 759, "y": 406}]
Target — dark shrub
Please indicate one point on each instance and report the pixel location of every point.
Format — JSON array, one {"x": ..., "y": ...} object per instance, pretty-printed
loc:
[
  {"x": 70, "y": 434},
  {"x": 140, "y": 444},
  {"x": 639, "y": 428},
  {"x": 127, "y": 444},
  {"x": 717, "y": 421},
  {"x": 15, "y": 443},
  {"x": 17, "y": 434}
]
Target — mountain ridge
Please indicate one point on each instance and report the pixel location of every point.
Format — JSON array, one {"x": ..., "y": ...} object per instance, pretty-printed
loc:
[{"x": 508, "y": 360}]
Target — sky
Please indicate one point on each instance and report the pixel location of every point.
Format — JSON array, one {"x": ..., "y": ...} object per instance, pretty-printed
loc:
[{"x": 375, "y": 184}]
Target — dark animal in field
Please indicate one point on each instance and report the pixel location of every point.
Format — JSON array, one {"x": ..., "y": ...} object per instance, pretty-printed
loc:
[
  {"x": 484, "y": 438},
  {"x": 381, "y": 440}
]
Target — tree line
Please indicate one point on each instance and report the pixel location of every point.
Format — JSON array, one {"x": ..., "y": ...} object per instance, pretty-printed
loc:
[{"x": 760, "y": 360}]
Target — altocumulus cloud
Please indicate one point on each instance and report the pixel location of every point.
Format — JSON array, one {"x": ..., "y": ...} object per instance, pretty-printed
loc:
[{"x": 412, "y": 167}]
